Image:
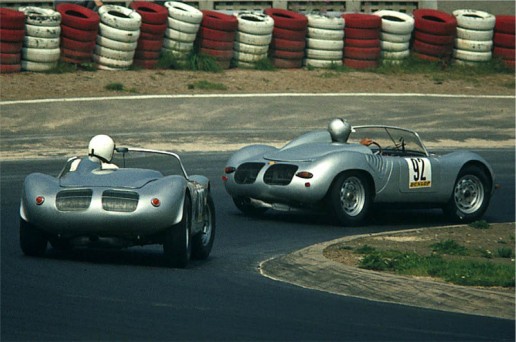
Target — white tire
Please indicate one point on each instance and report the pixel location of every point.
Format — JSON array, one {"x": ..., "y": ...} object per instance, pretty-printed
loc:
[
  {"x": 113, "y": 63},
  {"x": 115, "y": 44},
  {"x": 473, "y": 45},
  {"x": 118, "y": 34},
  {"x": 180, "y": 36},
  {"x": 390, "y": 46},
  {"x": 255, "y": 23},
  {"x": 182, "y": 26},
  {"x": 43, "y": 31},
  {"x": 463, "y": 33},
  {"x": 41, "y": 16},
  {"x": 474, "y": 20},
  {"x": 323, "y": 54},
  {"x": 396, "y": 55},
  {"x": 325, "y": 22},
  {"x": 395, "y": 38},
  {"x": 248, "y": 57},
  {"x": 321, "y": 63},
  {"x": 471, "y": 56},
  {"x": 253, "y": 39},
  {"x": 38, "y": 66},
  {"x": 41, "y": 55},
  {"x": 322, "y": 44},
  {"x": 108, "y": 68},
  {"x": 114, "y": 54},
  {"x": 325, "y": 34},
  {"x": 177, "y": 45},
  {"x": 41, "y": 43},
  {"x": 253, "y": 49},
  {"x": 183, "y": 12},
  {"x": 119, "y": 17},
  {"x": 396, "y": 22}
]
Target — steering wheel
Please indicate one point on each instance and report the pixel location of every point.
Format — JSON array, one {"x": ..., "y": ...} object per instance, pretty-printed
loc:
[{"x": 380, "y": 150}]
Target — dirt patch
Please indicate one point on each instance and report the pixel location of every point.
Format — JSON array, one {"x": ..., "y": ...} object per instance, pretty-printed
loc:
[
  {"x": 29, "y": 85},
  {"x": 481, "y": 244}
]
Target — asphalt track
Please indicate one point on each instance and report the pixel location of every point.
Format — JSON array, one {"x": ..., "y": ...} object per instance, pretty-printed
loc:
[{"x": 128, "y": 295}]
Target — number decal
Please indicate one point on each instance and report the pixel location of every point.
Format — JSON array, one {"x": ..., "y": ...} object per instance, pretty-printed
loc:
[{"x": 420, "y": 173}]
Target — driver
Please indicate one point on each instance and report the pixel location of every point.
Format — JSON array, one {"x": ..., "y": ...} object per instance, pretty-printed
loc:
[{"x": 100, "y": 151}]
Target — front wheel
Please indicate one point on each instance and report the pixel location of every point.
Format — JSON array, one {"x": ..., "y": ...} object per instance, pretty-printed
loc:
[
  {"x": 177, "y": 246},
  {"x": 470, "y": 197},
  {"x": 32, "y": 241},
  {"x": 203, "y": 241},
  {"x": 350, "y": 198}
]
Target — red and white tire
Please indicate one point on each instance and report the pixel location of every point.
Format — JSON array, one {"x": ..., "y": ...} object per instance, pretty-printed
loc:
[
  {"x": 360, "y": 63},
  {"x": 325, "y": 34},
  {"x": 432, "y": 50},
  {"x": 11, "y": 19},
  {"x": 362, "y": 43},
  {"x": 287, "y": 19},
  {"x": 505, "y": 40},
  {"x": 505, "y": 24},
  {"x": 287, "y": 45},
  {"x": 10, "y": 58},
  {"x": 253, "y": 39},
  {"x": 223, "y": 36},
  {"x": 78, "y": 34},
  {"x": 473, "y": 45},
  {"x": 282, "y": 33},
  {"x": 112, "y": 63},
  {"x": 41, "y": 55},
  {"x": 362, "y": 21},
  {"x": 180, "y": 36},
  {"x": 43, "y": 31},
  {"x": 433, "y": 38},
  {"x": 250, "y": 49},
  {"x": 41, "y": 43},
  {"x": 114, "y": 54},
  {"x": 150, "y": 12},
  {"x": 434, "y": 22},
  {"x": 248, "y": 57},
  {"x": 472, "y": 56},
  {"x": 215, "y": 44},
  {"x": 219, "y": 21},
  {"x": 115, "y": 44},
  {"x": 395, "y": 38},
  {"x": 324, "y": 54},
  {"x": 183, "y": 12},
  {"x": 9, "y": 47},
  {"x": 177, "y": 46},
  {"x": 322, "y": 44},
  {"x": 362, "y": 33},
  {"x": 325, "y": 22},
  {"x": 9, "y": 68},
  {"x": 10, "y": 35},
  {"x": 362, "y": 53},
  {"x": 118, "y": 34},
  {"x": 182, "y": 26}
]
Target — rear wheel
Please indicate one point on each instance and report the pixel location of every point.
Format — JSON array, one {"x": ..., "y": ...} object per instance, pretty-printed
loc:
[
  {"x": 245, "y": 206},
  {"x": 470, "y": 196},
  {"x": 203, "y": 241},
  {"x": 32, "y": 241},
  {"x": 177, "y": 245},
  {"x": 350, "y": 198}
]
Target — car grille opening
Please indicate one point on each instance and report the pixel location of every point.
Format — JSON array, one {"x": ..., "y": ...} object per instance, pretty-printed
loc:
[
  {"x": 121, "y": 201},
  {"x": 247, "y": 173},
  {"x": 73, "y": 200},
  {"x": 280, "y": 174}
]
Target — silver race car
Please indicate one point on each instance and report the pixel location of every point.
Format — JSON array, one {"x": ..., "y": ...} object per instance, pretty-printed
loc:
[
  {"x": 94, "y": 204},
  {"x": 346, "y": 169}
]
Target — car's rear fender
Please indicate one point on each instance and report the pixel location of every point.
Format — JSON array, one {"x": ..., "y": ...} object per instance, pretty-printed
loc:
[{"x": 251, "y": 152}]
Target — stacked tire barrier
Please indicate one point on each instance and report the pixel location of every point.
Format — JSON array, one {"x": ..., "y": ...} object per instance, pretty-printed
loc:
[
  {"x": 252, "y": 39},
  {"x": 287, "y": 49},
  {"x": 362, "y": 40},
  {"x": 395, "y": 35},
  {"x": 40, "y": 50},
  {"x": 12, "y": 33},
  {"x": 434, "y": 35},
  {"x": 325, "y": 41},
  {"x": 504, "y": 39},
  {"x": 217, "y": 36},
  {"x": 79, "y": 29},
  {"x": 474, "y": 43},
  {"x": 119, "y": 30},
  {"x": 152, "y": 30},
  {"x": 183, "y": 24}
]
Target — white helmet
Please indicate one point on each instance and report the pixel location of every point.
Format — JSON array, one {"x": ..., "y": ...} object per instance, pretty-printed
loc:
[
  {"x": 339, "y": 130},
  {"x": 101, "y": 147}
]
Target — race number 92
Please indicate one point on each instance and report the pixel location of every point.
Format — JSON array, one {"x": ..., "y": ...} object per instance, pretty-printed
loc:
[{"x": 420, "y": 173}]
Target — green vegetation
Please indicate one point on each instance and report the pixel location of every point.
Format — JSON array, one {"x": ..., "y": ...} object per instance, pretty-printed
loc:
[
  {"x": 116, "y": 86},
  {"x": 482, "y": 224},
  {"x": 205, "y": 85},
  {"x": 448, "y": 260}
]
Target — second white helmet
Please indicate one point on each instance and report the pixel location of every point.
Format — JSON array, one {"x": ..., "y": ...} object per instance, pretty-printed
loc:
[{"x": 101, "y": 148}]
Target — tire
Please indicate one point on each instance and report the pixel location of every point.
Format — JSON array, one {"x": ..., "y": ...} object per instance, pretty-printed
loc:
[
  {"x": 11, "y": 19},
  {"x": 245, "y": 206},
  {"x": 41, "y": 55},
  {"x": 154, "y": 29},
  {"x": 9, "y": 68},
  {"x": 283, "y": 63},
  {"x": 182, "y": 26},
  {"x": 41, "y": 16},
  {"x": 286, "y": 19},
  {"x": 120, "y": 17},
  {"x": 325, "y": 22},
  {"x": 180, "y": 36},
  {"x": 471, "y": 56},
  {"x": 41, "y": 43},
  {"x": 78, "y": 17},
  {"x": 78, "y": 34},
  {"x": 248, "y": 57},
  {"x": 125, "y": 36},
  {"x": 112, "y": 63},
  {"x": 177, "y": 245},
  {"x": 359, "y": 33},
  {"x": 321, "y": 63},
  {"x": 331, "y": 55},
  {"x": 350, "y": 198},
  {"x": 250, "y": 49},
  {"x": 202, "y": 242},
  {"x": 505, "y": 24},
  {"x": 322, "y": 44},
  {"x": 115, "y": 44},
  {"x": 282, "y": 33},
  {"x": 183, "y": 12},
  {"x": 287, "y": 45},
  {"x": 361, "y": 43},
  {"x": 362, "y": 21},
  {"x": 395, "y": 47},
  {"x": 176, "y": 45},
  {"x": 475, "y": 20},
  {"x": 12, "y": 36},
  {"x": 10, "y": 58},
  {"x": 32, "y": 241},
  {"x": 433, "y": 38},
  {"x": 470, "y": 196},
  {"x": 473, "y": 45},
  {"x": 434, "y": 22},
  {"x": 7, "y": 47},
  {"x": 255, "y": 23},
  {"x": 219, "y": 21},
  {"x": 114, "y": 54},
  {"x": 360, "y": 63},
  {"x": 38, "y": 66},
  {"x": 151, "y": 13},
  {"x": 325, "y": 34},
  {"x": 504, "y": 40},
  {"x": 396, "y": 22},
  {"x": 362, "y": 53},
  {"x": 432, "y": 50},
  {"x": 396, "y": 38},
  {"x": 463, "y": 33}
]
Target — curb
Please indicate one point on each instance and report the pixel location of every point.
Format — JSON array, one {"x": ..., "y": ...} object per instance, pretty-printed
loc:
[{"x": 309, "y": 268}]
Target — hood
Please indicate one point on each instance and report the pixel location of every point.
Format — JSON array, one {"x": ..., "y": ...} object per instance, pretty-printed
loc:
[
  {"x": 310, "y": 152},
  {"x": 119, "y": 178}
]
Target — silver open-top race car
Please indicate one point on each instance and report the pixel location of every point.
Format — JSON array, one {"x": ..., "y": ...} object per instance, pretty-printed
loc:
[
  {"x": 346, "y": 169},
  {"x": 96, "y": 203}
]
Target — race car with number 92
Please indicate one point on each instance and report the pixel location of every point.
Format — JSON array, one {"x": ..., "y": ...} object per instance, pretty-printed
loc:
[{"x": 345, "y": 170}]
